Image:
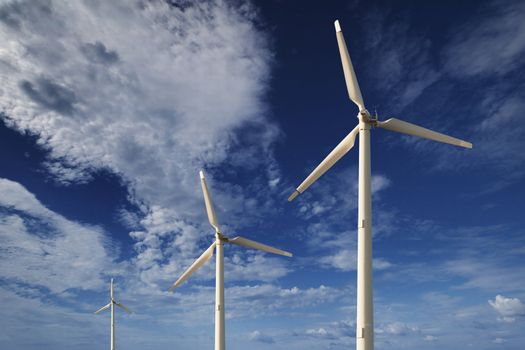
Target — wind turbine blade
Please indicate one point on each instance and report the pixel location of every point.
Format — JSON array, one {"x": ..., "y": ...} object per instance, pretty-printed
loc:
[
  {"x": 340, "y": 150},
  {"x": 209, "y": 205},
  {"x": 194, "y": 267},
  {"x": 124, "y": 308},
  {"x": 354, "y": 92},
  {"x": 103, "y": 308},
  {"x": 403, "y": 127},
  {"x": 111, "y": 289},
  {"x": 256, "y": 245}
]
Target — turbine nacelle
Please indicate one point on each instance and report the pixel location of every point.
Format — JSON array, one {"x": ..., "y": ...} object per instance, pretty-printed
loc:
[{"x": 365, "y": 116}]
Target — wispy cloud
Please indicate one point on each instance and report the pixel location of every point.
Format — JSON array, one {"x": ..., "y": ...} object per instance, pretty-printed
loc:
[
  {"x": 405, "y": 67},
  {"x": 491, "y": 45},
  {"x": 40, "y": 247}
]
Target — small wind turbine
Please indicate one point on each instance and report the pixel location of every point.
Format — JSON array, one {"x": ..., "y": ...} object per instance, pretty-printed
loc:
[
  {"x": 365, "y": 323},
  {"x": 218, "y": 244},
  {"x": 111, "y": 305}
]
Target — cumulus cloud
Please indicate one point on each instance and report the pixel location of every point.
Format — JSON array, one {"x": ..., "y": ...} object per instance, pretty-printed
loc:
[
  {"x": 344, "y": 260},
  {"x": 508, "y": 308},
  {"x": 261, "y": 337},
  {"x": 397, "y": 328},
  {"x": 338, "y": 330},
  {"x": 150, "y": 91}
]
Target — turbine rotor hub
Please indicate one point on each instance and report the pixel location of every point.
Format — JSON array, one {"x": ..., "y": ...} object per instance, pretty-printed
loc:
[
  {"x": 364, "y": 115},
  {"x": 220, "y": 236}
]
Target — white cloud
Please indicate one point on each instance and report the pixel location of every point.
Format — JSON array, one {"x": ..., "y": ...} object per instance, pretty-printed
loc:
[
  {"x": 397, "y": 328},
  {"x": 344, "y": 260},
  {"x": 261, "y": 337},
  {"x": 379, "y": 182},
  {"x": 40, "y": 247},
  {"x": 149, "y": 91},
  {"x": 508, "y": 308},
  {"x": 338, "y": 330},
  {"x": 254, "y": 266},
  {"x": 381, "y": 264}
]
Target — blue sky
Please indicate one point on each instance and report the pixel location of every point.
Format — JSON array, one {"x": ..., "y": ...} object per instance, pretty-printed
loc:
[{"x": 109, "y": 109}]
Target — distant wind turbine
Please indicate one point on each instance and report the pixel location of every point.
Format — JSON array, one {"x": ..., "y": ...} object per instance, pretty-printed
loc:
[
  {"x": 220, "y": 239},
  {"x": 112, "y": 304},
  {"x": 365, "y": 323}
]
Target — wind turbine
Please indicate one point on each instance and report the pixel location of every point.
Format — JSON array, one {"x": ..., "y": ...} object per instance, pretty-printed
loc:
[
  {"x": 218, "y": 244},
  {"x": 365, "y": 323},
  {"x": 112, "y": 304}
]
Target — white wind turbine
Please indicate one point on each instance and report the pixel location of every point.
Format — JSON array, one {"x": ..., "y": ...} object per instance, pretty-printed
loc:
[
  {"x": 112, "y": 304},
  {"x": 365, "y": 324},
  {"x": 218, "y": 244}
]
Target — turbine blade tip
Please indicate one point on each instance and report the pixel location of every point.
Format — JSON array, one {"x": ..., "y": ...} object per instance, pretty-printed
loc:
[
  {"x": 337, "y": 26},
  {"x": 201, "y": 173},
  {"x": 293, "y": 195},
  {"x": 466, "y": 144}
]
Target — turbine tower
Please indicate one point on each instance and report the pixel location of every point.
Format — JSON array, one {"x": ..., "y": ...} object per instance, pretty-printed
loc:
[
  {"x": 365, "y": 322},
  {"x": 112, "y": 304},
  {"x": 218, "y": 244}
]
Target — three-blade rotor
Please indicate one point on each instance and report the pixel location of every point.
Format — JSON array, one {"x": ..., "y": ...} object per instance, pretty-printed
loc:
[
  {"x": 112, "y": 301},
  {"x": 240, "y": 241},
  {"x": 392, "y": 124}
]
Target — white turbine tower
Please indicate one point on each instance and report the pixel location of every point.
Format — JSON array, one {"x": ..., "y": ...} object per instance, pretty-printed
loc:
[
  {"x": 218, "y": 244},
  {"x": 365, "y": 324},
  {"x": 112, "y": 304}
]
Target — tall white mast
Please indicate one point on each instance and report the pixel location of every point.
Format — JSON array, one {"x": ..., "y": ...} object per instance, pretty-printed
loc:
[
  {"x": 111, "y": 306},
  {"x": 112, "y": 345},
  {"x": 365, "y": 306},
  {"x": 218, "y": 244},
  {"x": 365, "y": 303},
  {"x": 219, "y": 295}
]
